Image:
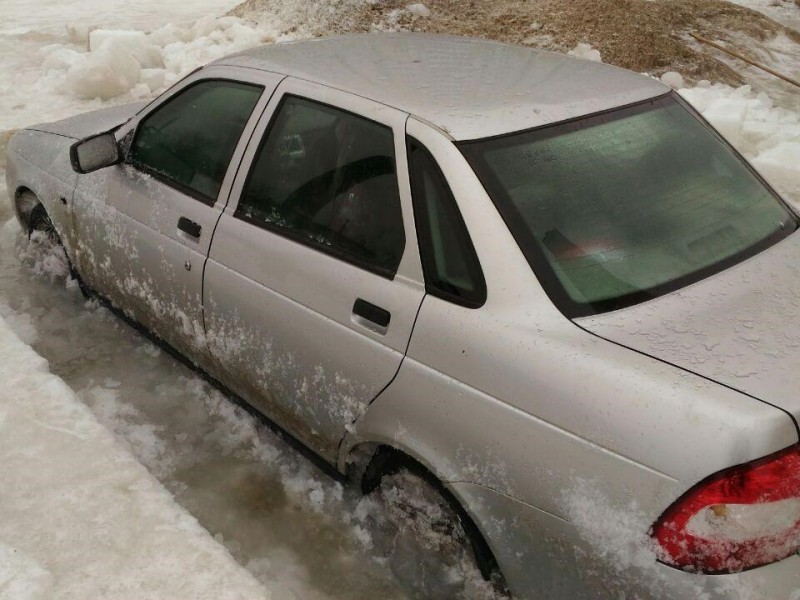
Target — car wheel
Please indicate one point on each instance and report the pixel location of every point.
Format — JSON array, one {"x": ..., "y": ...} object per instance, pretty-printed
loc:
[
  {"x": 37, "y": 220},
  {"x": 429, "y": 542}
]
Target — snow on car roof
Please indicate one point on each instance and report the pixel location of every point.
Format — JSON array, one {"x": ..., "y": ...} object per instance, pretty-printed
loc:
[{"x": 471, "y": 88}]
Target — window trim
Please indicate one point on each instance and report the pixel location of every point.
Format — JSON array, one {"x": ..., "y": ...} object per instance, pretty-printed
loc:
[
  {"x": 291, "y": 235},
  {"x": 160, "y": 177},
  {"x": 473, "y": 300}
]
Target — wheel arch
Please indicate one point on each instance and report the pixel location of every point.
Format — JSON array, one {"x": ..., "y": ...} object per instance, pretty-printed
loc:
[
  {"x": 24, "y": 201},
  {"x": 369, "y": 462}
]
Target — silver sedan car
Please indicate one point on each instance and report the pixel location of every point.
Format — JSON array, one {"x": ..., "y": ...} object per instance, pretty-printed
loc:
[{"x": 544, "y": 285}]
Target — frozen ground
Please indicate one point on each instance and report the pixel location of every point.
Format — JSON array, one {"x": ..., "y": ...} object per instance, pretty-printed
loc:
[
  {"x": 302, "y": 535},
  {"x": 81, "y": 518},
  {"x": 298, "y": 532}
]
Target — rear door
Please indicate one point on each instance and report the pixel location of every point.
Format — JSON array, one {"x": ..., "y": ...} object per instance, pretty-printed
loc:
[{"x": 313, "y": 280}]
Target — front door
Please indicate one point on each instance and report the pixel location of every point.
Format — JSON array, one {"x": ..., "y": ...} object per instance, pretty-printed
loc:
[
  {"x": 313, "y": 280},
  {"x": 145, "y": 226}
]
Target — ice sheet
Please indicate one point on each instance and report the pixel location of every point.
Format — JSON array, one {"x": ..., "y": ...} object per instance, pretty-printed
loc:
[{"x": 81, "y": 518}]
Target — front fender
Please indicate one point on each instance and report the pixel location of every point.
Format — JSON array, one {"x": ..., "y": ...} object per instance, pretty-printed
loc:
[{"x": 39, "y": 162}]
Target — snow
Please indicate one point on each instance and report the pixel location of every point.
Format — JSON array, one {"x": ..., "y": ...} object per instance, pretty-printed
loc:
[
  {"x": 673, "y": 79},
  {"x": 419, "y": 10},
  {"x": 87, "y": 67},
  {"x": 81, "y": 516},
  {"x": 767, "y": 135},
  {"x": 783, "y": 11},
  {"x": 586, "y": 51}
]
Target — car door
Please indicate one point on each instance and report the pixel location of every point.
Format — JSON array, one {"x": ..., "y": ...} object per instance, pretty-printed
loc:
[
  {"x": 313, "y": 280},
  {"x": 145, "y": 226}
]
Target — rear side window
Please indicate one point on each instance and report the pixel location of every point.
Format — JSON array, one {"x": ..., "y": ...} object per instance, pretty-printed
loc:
[
  {"x": 451, "y": 267},
  {"x": 326, "y": 178},
  {"x": 188, "y": 142}
]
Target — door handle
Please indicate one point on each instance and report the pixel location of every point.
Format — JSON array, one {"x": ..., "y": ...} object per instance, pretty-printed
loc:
[
  {"x": 370, "y": 312},
  {"x": 189, "y": 227}
]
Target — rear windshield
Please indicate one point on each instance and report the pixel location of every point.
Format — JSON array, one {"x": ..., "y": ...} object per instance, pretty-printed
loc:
[{"x": 618, "y": 208}]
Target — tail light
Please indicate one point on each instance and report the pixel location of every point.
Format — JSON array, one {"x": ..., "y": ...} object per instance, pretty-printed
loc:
[{"x": 740, "y": 518}]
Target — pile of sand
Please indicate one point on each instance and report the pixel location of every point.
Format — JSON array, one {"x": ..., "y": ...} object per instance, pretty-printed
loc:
[{"x": 649, "y": 36}]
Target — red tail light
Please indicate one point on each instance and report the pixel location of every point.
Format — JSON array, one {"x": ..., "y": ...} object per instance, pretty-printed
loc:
[{"x": 737, "y": 519}]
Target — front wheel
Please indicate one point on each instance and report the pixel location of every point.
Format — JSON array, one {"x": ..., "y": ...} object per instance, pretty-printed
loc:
[{"x": 48, "y": 253}]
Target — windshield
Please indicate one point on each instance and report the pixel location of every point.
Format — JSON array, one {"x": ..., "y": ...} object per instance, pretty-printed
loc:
[{"x": 621, "y": 207}]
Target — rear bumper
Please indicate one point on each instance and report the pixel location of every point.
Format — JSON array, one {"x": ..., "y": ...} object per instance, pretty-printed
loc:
[{"x": 544, "y": 556}]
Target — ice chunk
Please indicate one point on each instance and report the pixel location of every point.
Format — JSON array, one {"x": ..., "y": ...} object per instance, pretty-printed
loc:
[
  {"x": 419, "y": 10},
  {"x": 168, "y": 34},
  {"x": 135, "y": 43},
  {"x": 153, "y": 78},
  {"x": 104, "y": 73},
  {"x": 78, "y": 33},
  {"x": 673, "y": 79},
  {"x": 586, "y": 51}
]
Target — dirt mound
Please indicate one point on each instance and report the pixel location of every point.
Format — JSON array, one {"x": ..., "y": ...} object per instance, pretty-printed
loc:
[{"x": 642, "y": 35}]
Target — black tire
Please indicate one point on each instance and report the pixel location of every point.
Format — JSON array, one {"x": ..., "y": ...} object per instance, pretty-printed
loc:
[{"x": 39, "y": 220}]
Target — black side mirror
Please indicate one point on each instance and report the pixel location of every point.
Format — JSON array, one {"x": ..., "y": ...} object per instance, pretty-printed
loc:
[{"x": 95, "y": 152}]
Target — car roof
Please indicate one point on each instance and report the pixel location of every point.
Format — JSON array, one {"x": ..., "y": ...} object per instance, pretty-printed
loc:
[{"x": 470, "y": 88}]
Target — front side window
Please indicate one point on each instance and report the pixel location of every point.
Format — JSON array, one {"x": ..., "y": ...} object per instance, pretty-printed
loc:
[
  {"x": 189, "y": 141},
  {"x": 621, "y": 207},
  {"x": 327, "y": 178}
]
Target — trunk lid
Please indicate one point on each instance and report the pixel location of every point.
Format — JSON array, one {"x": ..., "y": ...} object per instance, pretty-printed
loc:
[{"x": 740, "y": 327}]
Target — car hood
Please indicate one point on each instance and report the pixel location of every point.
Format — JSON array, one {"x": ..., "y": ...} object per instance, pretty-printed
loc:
[
  {"x": 740, "y": 327},
  {"x": 97, "y": 121}
]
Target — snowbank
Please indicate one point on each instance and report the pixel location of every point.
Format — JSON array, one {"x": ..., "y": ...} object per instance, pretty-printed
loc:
[
  {"x": 81, "y": 517},
  {"x": 103, "y": 67},
  {"x": 139, "y": 63},
  {"x": 769, "y": 136}
]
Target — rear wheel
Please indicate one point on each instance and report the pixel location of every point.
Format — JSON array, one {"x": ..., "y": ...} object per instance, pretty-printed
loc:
[{"x": 428, "y": 540}]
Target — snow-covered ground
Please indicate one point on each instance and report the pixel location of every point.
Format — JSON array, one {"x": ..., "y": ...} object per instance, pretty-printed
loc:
[
  {"x": 300, "y": 534},
  {"x": 81, "y": 518},
  {"x": 783, "y": 11}
]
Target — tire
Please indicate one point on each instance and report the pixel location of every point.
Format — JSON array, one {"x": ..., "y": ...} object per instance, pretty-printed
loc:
[
  {"x": 38, "y": 220},
  {"x": 429, "y": 541}
]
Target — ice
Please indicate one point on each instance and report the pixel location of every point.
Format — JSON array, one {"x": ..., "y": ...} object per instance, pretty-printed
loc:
[
  {"x": 299, "y": 533},
  {"x": 419, "y": 10},
  {"x": 96, "y": 67},
  {"x": 767, "y": 135},
  {"x": 136, "y": 43},
  {"x": 118, "y": 60},
  {"x": 81, "y": 517},
  {"x": 673, "y": 79},
  {"x": 22, "y": 578},
  {"x": 586, "y": 51}
]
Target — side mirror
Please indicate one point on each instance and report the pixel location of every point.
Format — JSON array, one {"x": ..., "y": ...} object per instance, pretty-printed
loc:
[{"x": 95, "y": 152}]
